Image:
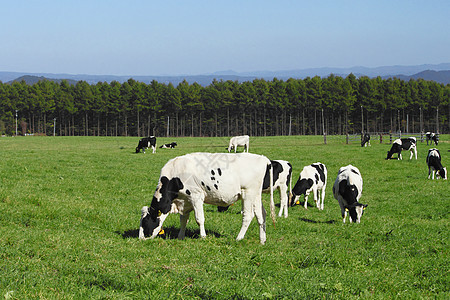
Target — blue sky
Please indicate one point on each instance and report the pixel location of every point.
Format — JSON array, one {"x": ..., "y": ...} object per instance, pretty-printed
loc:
[{"x": 164, "y": 37}]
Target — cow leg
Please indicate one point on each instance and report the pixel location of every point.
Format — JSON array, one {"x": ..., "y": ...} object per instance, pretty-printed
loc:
[
  {"x": 260, "y": 214},
  {"x": 154, "y": 149},
  {"x": 183, "y": 221},
  {"x": 283, "y": 201},
  {"x": 322, "y": 196},
  {"x": 247, "y": 215},
  {"x": 429, "y": 172},
  {"x": 343, "y": 212},
  {"x": 306, "y": 199},
  {"x": 400, "y": 156},
  {"x": 200, "y": 216},
  {"x": 316, "y": 197}
]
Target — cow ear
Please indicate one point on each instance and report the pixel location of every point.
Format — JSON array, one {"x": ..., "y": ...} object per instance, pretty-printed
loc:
[
  {"x": 364, "y": 206},
  {"x": 175, "y": 184}
]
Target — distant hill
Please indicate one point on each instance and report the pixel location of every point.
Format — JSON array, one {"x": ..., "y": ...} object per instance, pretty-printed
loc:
[
  {"x": 437, "y": 72},
  {"x": 438, "y": 76},
  {"x": 30, "y": 80}
]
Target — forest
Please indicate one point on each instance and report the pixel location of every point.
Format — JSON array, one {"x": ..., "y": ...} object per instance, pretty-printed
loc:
[{"x": 310, "y": 106}]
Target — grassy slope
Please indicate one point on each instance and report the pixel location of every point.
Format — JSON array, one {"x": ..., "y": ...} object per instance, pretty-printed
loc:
[{"x": 70, "y": 208}]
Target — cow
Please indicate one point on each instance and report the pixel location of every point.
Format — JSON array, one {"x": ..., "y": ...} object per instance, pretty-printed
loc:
[
  {"x": 243, "y": 140},
  {"x": 347, "y": 190},
  {"x": 187, "y": 182},
  {"x": 145, "y": 143},
  {"x": 312, "y": 178},
  {"x": 432, "y": 137},
  {"x": 365, "y": 140},
  {"x": 169, "y": 146},
  {"x": 282, "y": 179},
  {"x": 403, "y": 144},
  {"x": 435, "y": 165}
]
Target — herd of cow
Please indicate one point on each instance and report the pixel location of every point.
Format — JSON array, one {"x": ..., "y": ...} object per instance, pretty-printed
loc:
[{"x": 187, "y": 182}]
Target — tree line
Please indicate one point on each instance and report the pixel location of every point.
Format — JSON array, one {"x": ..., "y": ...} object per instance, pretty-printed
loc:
[{"x": 310, "y": 106}]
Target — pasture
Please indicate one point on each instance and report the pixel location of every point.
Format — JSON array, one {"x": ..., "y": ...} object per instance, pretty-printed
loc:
[{"x": 70, "y": 210}]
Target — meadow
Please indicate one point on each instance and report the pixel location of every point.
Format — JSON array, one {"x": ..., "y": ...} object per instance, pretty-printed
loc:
[{"x": 70, "y": 210}]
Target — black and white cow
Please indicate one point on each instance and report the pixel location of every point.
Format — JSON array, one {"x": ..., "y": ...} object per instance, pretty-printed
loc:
[
  {"x": 312, "y": 178},
  {"x": 347, "y": 190},
  {"x": 365, "y": 140},
  {"x": 432, "y": 137},
  {"x": 169, "y": 146},
  {"x": 403, "y": 144},
  {"x": 187, "y": 182},
  {"x": 435, "y": 165},
  {"x": 243, "y": 140},
  {"x": 145, "y": 143},
  {"x": 282, "y": 180}
]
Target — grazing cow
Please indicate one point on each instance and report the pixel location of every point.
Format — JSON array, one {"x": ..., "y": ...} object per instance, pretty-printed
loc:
[
  {"x": 243, "y": 140},
  {"x": 169, "y": 146},
  {"x": 365, "y": 140},
  {"x": 145, "y": 143},
  {"x": 347, "y": 190},
  {"x": 434, "y": 164},
  {"x": 403, "y": 144},
  {"x": 282, "y": 179},
  {"x": 312, "y": 178},
  {"x": 433, "y": 137},
  {"x": 187, "y": 182}
]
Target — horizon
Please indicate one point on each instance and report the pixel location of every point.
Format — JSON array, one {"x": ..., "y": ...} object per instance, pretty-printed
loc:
[
  {"x": 243, "y": 73},
  {"x": 189, "y": 38}
]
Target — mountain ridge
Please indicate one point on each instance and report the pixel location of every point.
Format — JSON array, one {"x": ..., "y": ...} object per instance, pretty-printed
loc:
[{"x": 436, "y": 72}]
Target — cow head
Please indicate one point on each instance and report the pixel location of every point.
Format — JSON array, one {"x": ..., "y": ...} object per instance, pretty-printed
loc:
[
  {"x": 356, "y": 210},
  {"x": 153, "y": 217},
  {"x": 300, "y": 188},
  {"x": 442, "y": 173}
]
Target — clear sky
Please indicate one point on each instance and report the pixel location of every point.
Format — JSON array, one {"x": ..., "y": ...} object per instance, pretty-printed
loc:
[{"x": 175, "y": 37}]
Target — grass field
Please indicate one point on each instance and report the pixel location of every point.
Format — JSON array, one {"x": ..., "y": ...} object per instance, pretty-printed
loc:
[{"x": 70, "y": 209}]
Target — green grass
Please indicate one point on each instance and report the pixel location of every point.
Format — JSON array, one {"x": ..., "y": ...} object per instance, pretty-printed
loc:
[{"x": 70, "y": 209}]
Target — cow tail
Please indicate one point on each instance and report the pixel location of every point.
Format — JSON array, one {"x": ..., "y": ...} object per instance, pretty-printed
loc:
[{"x": 272, "y": 203}]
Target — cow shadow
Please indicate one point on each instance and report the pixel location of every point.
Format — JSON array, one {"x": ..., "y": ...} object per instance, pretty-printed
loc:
[
  {"x": 317, "y": 222},
  {"x": 170, "y": 233}
]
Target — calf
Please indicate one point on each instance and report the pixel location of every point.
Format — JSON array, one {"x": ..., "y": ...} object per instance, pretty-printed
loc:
[
  {"x": 312, "y": 178},
  {"x": 432, "y": 137},
  {"x": 169, "y": 146},
  {"x": 243, "y": 140},
  {"x": 403, "y": 144},
  {"x": 347, "y": 190},
  {"x": 434, "y": 164},
  {"x": 365, "y": 140},
  {"x": 187, "y": 182},
  {"x": 145, "y": 143}
]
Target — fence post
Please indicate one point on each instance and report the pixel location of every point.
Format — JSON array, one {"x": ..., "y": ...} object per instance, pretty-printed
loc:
[
  {"x": 421, "y": 137},
  {"x": 346, "y": 138},
  {"x": 325, "y": 138},
  {"x": 390, "y": 137},
  {"x": 381, "y": 138}
]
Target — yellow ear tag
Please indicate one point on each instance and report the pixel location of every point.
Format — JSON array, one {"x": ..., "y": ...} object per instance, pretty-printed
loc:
[
  {"x": 298, "y": 202},
  {"x": 161, "y": 231},
  {"x": 159, "y": 213},
  {"x": 346, "y": 209},
  {"x": 364, "y": 207}
]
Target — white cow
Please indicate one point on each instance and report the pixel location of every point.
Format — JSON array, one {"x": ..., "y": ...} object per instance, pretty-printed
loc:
[
  {"x": 243, "y": 140},
  {"x": 347, "y": 190},
  {"x": 187, "y": 182},
  {"x": 313, "y": 178}
]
